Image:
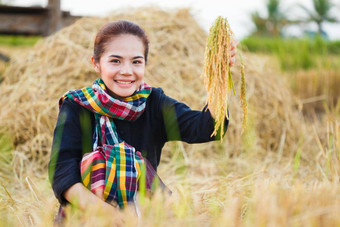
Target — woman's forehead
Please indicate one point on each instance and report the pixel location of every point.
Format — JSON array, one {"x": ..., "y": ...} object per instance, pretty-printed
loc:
[{"x": 125, "y": 44}]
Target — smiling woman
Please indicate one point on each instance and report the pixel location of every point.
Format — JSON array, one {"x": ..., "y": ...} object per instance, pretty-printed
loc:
[
  {"x": 120, "y": 54},
  {"x": 122, "y": 117}
]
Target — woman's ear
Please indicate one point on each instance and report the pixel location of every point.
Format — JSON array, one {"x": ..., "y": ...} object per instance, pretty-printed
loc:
[{"x": 95, "y": 65}]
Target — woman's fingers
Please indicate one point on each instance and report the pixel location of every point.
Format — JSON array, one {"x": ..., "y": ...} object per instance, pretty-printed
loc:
[
  {"x": 234, "y": 44},
  {"x": 232, "y": 61},
  {"x": 233, "y": 52}
]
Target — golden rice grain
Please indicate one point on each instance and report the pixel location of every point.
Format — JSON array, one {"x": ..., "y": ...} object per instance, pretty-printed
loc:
[{"x": 217, "y": 75}]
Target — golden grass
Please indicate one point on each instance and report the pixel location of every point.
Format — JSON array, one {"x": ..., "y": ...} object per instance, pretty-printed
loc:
[
  {"x": 281, "y": 172},
  {"x": 217, "y": 74},
  {"x": 316, "y": 88},
  {"x": 266, "y": 193},
  {"x": 2, "y": 69},
  {"x": 13, "y": 53}
]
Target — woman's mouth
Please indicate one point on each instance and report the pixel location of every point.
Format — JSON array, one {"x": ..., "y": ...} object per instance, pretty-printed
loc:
[{"x": 124, "y": 83}]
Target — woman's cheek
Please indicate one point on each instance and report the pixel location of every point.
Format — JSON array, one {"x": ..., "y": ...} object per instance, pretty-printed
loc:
[{"x": 141, "y": 72}]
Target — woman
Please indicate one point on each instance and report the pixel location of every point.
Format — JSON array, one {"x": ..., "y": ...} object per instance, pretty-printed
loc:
[{"x": 103, "y": 131}]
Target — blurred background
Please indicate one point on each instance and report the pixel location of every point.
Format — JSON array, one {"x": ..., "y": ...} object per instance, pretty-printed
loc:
[
  {"x": 284, "y": 170},
  {"x": 289, "y": 17}
]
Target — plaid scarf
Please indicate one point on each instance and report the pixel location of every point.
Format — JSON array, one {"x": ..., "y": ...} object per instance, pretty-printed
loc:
[{"x": 113, "y": 168}]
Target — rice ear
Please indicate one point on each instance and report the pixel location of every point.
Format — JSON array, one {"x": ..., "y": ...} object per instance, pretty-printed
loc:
[{"x": 217, "y": 74}]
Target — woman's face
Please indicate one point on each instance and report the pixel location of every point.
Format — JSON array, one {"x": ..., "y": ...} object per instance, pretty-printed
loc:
[{"x": 122, "y": 65}]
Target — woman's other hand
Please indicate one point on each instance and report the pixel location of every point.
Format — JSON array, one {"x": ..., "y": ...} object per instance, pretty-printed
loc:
[{"x": 233, "y": 52}]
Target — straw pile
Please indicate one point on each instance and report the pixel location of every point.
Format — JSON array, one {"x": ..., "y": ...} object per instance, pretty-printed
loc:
[{"x": 33, "y": 85}]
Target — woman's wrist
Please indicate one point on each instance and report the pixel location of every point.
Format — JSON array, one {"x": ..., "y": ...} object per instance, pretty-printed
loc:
[{"x": 81, "y": 197}]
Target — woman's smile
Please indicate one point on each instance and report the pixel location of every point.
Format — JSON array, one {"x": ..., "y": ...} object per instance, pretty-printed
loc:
[{"x": 124, "y": 83}]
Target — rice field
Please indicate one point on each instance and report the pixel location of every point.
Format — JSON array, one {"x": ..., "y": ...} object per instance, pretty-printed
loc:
[
  {"x": 282, "y": 171},
  {"x": 312, "y": 67}
]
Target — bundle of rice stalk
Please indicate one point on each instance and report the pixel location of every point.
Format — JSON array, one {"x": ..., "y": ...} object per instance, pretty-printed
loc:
[{"x": 217, "y": 74}]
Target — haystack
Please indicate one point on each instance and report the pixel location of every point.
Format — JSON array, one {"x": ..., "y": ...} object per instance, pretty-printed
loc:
[{"x": 33, "y": 85}]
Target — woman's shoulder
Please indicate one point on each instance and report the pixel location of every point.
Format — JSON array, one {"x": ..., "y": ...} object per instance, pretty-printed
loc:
[
  {"x": 74, "y": 112},
  {"x": 157, "y": 91},
  {"x": 154, "y": 101},
  {"x": 156, "y": 95},
  {"x": 159, "y": 95},
  {"x": 72, "y": 107},
  {"x": 70, "y": 104}
]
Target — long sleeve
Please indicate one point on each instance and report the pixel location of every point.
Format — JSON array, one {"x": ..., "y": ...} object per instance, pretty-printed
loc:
[
  {"x": 185, "y": 124},
  {"x": 69, "y": 143}
]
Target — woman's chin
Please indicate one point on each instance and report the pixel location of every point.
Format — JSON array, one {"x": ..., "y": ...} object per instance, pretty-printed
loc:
[{"x": 122, "y": 93}]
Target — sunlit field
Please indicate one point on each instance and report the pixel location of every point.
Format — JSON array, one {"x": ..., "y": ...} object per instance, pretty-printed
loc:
[{"x": 284, "y": 170}]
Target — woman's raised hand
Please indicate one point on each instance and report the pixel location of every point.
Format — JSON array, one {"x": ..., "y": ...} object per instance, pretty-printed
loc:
[{"x": 233, "y": 52}]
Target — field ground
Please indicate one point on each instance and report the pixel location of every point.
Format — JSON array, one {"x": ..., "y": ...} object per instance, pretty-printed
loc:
[{"x": 248, "y": 190}]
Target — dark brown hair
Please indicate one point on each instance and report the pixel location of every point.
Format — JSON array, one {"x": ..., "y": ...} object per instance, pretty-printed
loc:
[{"x": 111, "y": 29}]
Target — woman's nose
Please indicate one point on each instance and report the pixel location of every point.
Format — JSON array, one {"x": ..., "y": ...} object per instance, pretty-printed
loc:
[{"x": 126, "y": 69}]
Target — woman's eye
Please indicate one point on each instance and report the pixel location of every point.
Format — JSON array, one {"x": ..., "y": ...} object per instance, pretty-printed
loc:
[
  {"x": 115, "y": 61},
  {"x": 137, "y": 62}
]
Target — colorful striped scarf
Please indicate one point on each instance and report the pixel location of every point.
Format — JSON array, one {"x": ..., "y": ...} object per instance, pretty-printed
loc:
[{"x": 113, "y": 168}]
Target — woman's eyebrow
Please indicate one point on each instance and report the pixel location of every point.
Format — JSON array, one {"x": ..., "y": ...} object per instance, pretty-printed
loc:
[
  {"x": 117, "y": 56},
  {"x": 137, "y": 57}
]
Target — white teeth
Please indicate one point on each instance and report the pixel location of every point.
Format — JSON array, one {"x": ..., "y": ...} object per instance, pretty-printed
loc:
[{"x": 124, "y": 82}]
